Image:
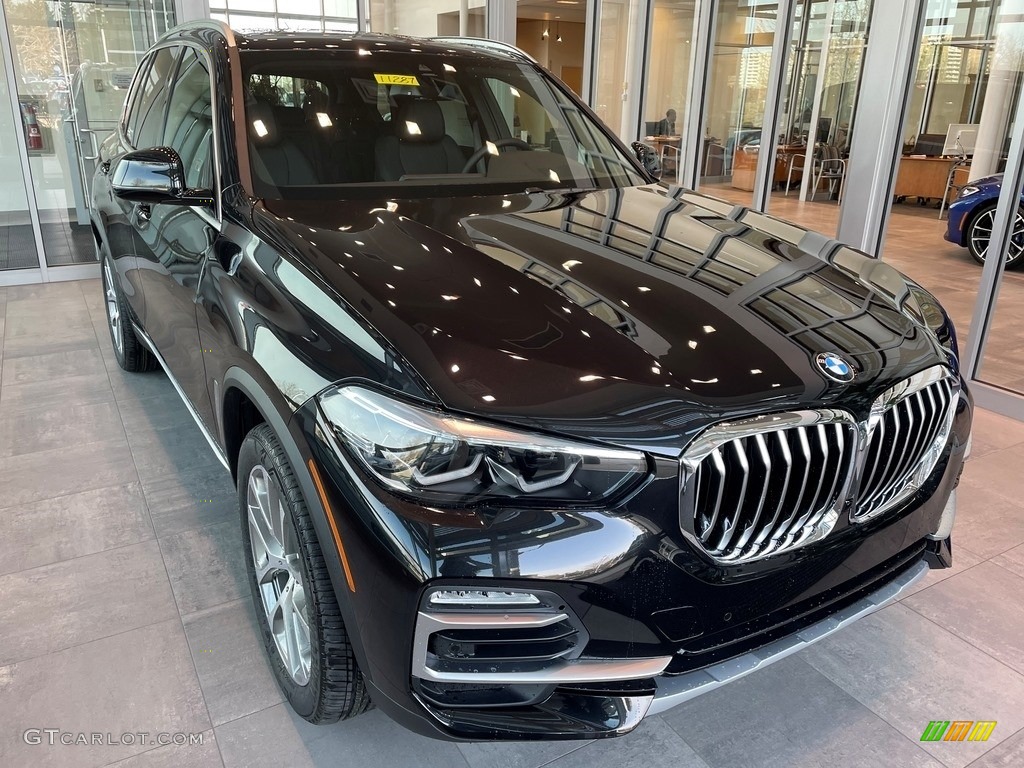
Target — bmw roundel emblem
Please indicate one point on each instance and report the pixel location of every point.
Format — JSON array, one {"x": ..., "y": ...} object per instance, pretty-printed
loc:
[{"x": 834, "y": 367}]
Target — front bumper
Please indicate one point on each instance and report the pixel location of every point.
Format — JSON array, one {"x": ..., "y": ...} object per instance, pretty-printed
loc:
[{"x": 621, "y": 574}]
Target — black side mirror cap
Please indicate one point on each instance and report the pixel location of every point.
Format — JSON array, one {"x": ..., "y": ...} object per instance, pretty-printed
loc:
[
  {"x": 648, "y": 157},
  {"x": 155, "y": 176}
]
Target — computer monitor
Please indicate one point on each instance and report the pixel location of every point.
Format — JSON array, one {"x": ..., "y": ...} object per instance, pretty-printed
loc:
[
  {"x": 960, "y": 139},
  {"x": 929, "y": 144}
]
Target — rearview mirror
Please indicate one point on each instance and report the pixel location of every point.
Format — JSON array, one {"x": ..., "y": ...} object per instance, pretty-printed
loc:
[
  {"x": 155, "y": 176},
  {"x": 648, "y": 157}
]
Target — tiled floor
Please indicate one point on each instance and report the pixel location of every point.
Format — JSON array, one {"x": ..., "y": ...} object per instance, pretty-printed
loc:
[{"x": 123, "y": 606}]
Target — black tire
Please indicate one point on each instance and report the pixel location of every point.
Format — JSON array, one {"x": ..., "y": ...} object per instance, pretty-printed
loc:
[
  {"x": 335, "y": 689},
  {"x": 977, "y": 239},
  {"x": 130, "y": 354}
]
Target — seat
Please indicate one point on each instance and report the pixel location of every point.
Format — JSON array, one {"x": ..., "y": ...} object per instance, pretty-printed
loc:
[
  {"x": 829, "y": 166},
  {"x": 277, "y": 158},
  {"x": 419, "y": 144},
  {"x": 794, "y": 164}
]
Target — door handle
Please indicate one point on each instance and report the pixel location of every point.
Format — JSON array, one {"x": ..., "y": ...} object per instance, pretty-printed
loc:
[
  {"x": 143, "y": 213},
  {"x": 228, "y": 254},
  {"x": 94, "y": 142}
]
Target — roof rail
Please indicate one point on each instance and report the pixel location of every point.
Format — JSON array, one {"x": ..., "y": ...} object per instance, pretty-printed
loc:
[
  {"x": 493, "y": 46},
  {"x": 220, "y": 26}
]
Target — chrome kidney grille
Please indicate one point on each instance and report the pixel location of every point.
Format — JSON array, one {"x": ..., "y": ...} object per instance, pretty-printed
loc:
[
  {"x": 762, "y": 486},
  {"x": 907, "y": 430},
  {"x": 769, "y": 484}
]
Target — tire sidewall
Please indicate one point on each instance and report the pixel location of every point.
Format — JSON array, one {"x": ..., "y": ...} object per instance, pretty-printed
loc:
[
  {"x": 303, "y": 698},
  {"x": 119, "y": 354},
  {"x": 1010, "y": 263}
]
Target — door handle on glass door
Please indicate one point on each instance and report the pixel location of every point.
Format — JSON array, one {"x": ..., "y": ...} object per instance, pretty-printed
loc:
[{"x": 94, "y": 142}]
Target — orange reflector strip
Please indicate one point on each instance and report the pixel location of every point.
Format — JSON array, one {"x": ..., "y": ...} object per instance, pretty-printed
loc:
[{"x": 334, "y": 526}]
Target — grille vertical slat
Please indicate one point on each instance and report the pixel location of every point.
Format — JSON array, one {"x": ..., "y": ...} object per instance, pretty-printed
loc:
[
  {"x": 791, "y": 523},
  {"x": 787, "y": 458}
]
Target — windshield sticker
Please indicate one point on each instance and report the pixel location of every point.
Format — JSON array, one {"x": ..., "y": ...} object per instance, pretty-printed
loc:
[{"x": 396, "y": 79}]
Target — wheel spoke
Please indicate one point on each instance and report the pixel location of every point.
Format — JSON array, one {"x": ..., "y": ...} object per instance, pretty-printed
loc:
[{"x": 278, "y": 571}]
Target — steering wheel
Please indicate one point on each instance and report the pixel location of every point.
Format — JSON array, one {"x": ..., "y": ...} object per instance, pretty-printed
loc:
[{"x": 485, "y": 150}]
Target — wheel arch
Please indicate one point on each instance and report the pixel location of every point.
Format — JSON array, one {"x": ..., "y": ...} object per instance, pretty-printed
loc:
[{"x": 242, "y": 391}]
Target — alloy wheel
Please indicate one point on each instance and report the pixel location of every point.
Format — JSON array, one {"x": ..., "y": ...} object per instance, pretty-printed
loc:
[
  {"x": 981, "y": 233},
  {"x": 113, "y": 309},
  {"x": 277, "y": 561}
]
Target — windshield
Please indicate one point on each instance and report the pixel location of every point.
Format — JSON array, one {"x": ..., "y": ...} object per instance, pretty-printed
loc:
[{"x": 328, "y": 124}]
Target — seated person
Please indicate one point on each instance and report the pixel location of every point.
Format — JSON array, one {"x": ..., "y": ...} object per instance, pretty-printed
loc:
[{"x": 667, "y": 125}]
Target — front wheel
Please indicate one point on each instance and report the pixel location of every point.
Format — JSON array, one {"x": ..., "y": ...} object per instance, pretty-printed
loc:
[
  {"x": 979, "y": 232},
  {"x": 129, "y": 352},
  {"x": 303, "y": 632}
]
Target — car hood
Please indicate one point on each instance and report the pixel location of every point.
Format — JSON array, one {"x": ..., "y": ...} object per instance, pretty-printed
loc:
[{"x": 627, "y": 315}]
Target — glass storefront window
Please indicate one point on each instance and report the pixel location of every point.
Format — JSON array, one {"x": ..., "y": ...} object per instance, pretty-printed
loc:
[
  {"x": 1001, "y": 363},
  {"x": 428, "y": 17},
  {"x": 668, "y": 77},
  {"x": 737, "y": 86},
  {"x": 17, "y": 241},
  {"x": 293, "y": 16},
  {"x": 73, "y": 65}
]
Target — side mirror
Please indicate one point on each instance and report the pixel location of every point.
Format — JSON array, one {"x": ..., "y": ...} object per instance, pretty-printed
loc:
[
  {"x": 155, "y": 176},
  {"x": 648, "y": 157}
]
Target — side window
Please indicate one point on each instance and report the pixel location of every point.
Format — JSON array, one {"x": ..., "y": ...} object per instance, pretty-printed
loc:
[
  {"x": 189, "y": 128},
  {"x": 131, "y": 115},
  {"x": 153, "y": 99}
]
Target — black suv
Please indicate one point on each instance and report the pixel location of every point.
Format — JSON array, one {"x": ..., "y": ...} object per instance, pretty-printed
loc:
[{"x": 527, "y": 444}]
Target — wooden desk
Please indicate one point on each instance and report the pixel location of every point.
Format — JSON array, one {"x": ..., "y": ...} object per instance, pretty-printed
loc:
[
  {"x": 744, "y": 168},
  {"x": 923, "y": 177}
]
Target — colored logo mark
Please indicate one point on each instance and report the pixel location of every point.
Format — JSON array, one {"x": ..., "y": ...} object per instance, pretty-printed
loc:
[{"x": 958, "y": 730}]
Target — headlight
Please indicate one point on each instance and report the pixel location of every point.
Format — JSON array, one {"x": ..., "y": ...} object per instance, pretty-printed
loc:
[
  {"x": 969, "y": 190},
  {"x": 449, "y": 460}
]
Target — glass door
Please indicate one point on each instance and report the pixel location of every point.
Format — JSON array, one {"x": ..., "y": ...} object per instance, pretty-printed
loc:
[
  {"x": 73, "y": 62},
  {"x": 19, "y": 127}
]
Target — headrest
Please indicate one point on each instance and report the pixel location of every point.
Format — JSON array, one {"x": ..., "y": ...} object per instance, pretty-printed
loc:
[
  {"x": 262, "y": 124},
  {"x": 419, "y": 120}
]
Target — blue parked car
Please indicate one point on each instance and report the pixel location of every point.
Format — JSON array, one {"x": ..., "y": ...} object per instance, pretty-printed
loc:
[{"x": 971, "y": 217}]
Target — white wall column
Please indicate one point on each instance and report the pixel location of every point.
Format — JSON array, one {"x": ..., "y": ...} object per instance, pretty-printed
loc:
[
  {"x": 191, "y": 10},
  {"x": 501, "y": 20},
  {"x": 877, "y": 142}
]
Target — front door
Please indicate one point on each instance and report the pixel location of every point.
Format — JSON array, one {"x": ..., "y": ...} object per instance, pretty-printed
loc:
[
  {"x": 174, "y": 240},
  {"x": 73, "y": 63}
]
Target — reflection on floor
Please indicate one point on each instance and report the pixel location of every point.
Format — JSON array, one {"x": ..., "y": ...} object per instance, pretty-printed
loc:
[
  {"x": 915, "y": 246},
  {"x": 124, "y": 605},
  {"x": 68, "y": 243}
]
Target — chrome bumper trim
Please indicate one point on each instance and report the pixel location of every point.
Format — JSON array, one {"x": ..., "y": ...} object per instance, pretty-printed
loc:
[
  {"x": 677, "y": 689},
  {"x": 558, "y": 673},
  {"x": 574, "y": 671}
]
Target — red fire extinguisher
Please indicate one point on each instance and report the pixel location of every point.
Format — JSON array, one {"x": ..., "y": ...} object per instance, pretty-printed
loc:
[{"x": 33, "y": 136}]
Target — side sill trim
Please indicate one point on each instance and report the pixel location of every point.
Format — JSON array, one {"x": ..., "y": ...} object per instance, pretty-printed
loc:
[
  {"x": 148, "y": 344},
  {"x": 676, "y": 689}
]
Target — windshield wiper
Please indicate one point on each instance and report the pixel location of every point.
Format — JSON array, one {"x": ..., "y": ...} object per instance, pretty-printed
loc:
[{"x": 560, "y": 190}]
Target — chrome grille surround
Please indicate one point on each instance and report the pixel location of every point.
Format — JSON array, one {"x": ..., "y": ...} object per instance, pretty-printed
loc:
[
  {"x": 916, "y": 416},
  {"x": 778, "y": 464},
  {"x": 772, "y": 510}
]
